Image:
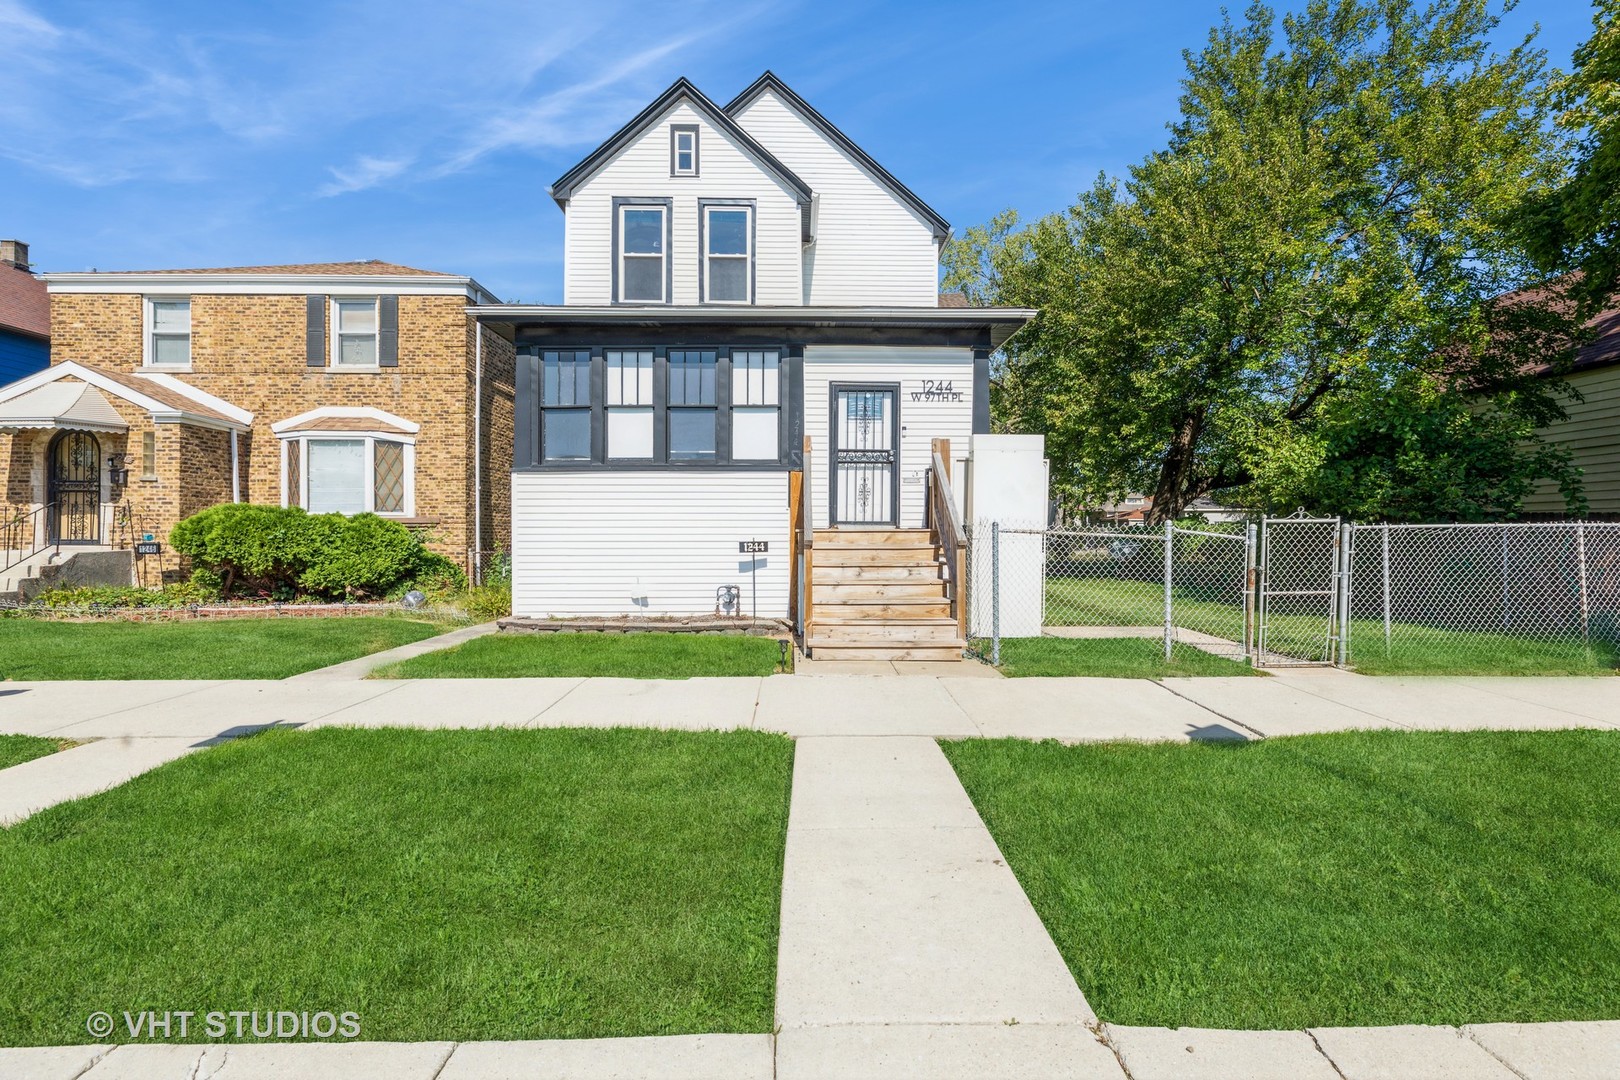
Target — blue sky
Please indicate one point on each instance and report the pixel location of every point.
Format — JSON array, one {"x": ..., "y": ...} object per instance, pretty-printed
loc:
[{"x": 138, "y": 135}]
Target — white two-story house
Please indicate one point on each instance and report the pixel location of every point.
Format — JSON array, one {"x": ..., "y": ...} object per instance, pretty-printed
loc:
[{"x": 736, "y": 408}]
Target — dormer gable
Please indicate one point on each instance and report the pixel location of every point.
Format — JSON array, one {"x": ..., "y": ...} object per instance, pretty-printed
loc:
[{"x": 679, "y": 92}]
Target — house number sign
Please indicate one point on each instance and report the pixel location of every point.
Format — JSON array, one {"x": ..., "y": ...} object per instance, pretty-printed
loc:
[
  {"x": 148, "y": 548},
  {"x": 753, "y": 547},
  {"x": 937, "y": 390}
]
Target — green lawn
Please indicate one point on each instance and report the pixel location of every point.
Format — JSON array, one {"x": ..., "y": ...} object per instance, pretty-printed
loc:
[
  {"x": 1121, "y": 658},
  {"x": 16, "y": 749},
  {"x": 1415, "y": 649},
  {"x": 1363, "y": 878},
  {"x": 634, "y": 656},
  {"x": 452, "y": 885},
  {"x": 197, "y": 649}
]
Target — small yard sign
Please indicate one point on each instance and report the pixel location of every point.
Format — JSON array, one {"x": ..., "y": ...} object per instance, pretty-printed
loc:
[{"x": 753, "y": 547}]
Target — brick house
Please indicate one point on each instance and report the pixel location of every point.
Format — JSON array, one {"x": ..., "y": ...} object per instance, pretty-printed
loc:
[{"x": 341, "y": 387}]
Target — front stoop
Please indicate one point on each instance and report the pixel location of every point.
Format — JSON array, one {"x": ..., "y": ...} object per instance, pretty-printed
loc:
[{"x": 879, "y": 594}]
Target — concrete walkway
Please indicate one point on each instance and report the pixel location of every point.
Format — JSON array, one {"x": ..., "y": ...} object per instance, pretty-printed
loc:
[
  {"x": 905, "y": 937},
  {"x": 362, "y": 666}
]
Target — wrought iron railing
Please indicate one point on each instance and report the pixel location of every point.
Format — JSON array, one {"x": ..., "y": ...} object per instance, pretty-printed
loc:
[{"x": 22, "y": 535}]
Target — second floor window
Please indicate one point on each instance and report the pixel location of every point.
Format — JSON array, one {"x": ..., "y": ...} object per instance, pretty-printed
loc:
[
  {"x": 642, "y": 254},
  {"x": 727, "y": 255},
  {"x": 169, "y": 334},
  {"x": 355, "y": 332}
]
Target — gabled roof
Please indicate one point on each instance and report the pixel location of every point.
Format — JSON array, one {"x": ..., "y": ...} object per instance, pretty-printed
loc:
[
  {"x": 75, "y": 405},
  {"x": 25, "y": 306},
  {"x": 166, "y": 398},
  {"x": 769, "y": 82},
  {"x": 564, "y": 186}
]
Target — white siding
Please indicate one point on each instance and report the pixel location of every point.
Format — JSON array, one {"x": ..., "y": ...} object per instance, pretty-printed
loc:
[
  {"x": 870, "y": 247},
  {"x": 920, "y": 421},
  {"x": 645, "y": 543},
  {"x": 1592, "y": 433},
  {"x": 641, "y": 170}
]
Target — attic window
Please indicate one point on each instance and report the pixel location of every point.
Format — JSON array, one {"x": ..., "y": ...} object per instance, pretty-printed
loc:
[{"x": 683, "y": 150}]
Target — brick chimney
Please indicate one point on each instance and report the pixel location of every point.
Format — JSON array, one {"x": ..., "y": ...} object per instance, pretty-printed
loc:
[{"x": 14, "y": 253}]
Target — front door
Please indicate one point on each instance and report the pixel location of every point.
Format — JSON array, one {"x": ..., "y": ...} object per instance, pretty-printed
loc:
[
  {"x": 865, "y": 476},
  {"x": 74, "y": 461}
]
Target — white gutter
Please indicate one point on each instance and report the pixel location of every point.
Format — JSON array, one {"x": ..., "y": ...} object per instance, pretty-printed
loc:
[{"x": 236, "y": 471}]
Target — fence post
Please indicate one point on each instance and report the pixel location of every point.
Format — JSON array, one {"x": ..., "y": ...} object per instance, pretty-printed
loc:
[
  {"x": 995, "y": 593},
  {"x": 1386, "y": 587},
  {"x": 1251, "y": 644},
  {"x": 1345, "y": 535},
  {"x": 1169, "y": 573},
  {"x": 1586, "y": 606}
]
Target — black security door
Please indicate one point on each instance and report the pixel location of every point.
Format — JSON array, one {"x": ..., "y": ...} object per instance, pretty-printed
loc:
[
  {"x": 865, "y": 477},
  {"x": 75, "y": 488}
]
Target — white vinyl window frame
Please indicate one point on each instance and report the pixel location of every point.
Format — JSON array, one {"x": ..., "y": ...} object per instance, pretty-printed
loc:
[
  {"x": 707, "y": 210},
  {"x": 623, "y": 257},
  {"x": 683, "y": 150},
  {"x": 302, "y": 439},
  {"x": 150, "y": 332},
  {"x": 336, "y": 334}
]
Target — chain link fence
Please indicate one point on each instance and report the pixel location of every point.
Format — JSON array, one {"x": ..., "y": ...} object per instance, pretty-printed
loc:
[
  {"x": 1504, "y": 597},
  {"x": 1497, "y": 598}
]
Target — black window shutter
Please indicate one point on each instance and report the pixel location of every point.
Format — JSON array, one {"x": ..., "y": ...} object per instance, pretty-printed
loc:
[
  {"x": 315, "y": 331},
  {"x": 388, "y": 331}
]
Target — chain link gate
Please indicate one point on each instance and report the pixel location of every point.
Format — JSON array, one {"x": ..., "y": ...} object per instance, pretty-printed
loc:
[{"x": 1302, "y": 578}]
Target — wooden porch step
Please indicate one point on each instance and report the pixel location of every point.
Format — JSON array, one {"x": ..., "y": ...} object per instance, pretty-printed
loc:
[
  {"x": 856, "y": 575},
  {"x": 936, "y": 653},
  {"x": 870, "y": 591},
  {"x": 889, "y": 555},
  {"x": 881, "y": 611},
  {"x": 872, "y": 537},
  {"x": 943, "y": 632}
]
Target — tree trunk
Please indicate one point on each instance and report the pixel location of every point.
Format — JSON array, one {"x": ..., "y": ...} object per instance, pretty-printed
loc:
[{"x": 1177, "y": 476}]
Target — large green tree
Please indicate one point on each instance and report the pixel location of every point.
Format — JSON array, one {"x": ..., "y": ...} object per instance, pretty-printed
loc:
[
  {"x": 1294, "y": 298},
  {"x": 1576, "y": 227}
]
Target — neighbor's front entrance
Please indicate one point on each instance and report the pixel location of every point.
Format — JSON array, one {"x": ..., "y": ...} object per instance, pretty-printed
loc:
[
  {"x": 865, "y": 465},
  {"x": 74, "y": 488}
]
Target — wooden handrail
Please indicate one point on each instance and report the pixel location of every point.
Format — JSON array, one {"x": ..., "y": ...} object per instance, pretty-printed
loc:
[
  {"x": 804, "y": 529},
  {"x": 947, "y": 526}
]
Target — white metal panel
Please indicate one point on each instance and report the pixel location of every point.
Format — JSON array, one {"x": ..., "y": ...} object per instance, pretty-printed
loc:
[
  {"x": 871, "y": 248},
  {"x": 641, "y": 170},
  {"x": 1009, "y": 485},
  {"x": 646, "y": 543},
  {"x": 927, "y": 411}
]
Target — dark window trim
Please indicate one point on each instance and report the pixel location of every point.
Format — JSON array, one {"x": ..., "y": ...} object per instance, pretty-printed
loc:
[
  {"x": 752, "y": 207},
  {"x": 675, "y": 130},
  {"x": 830, "y": 458},
  {"x": 528, "y": 449},
  {"x": 668, "y": 205},
  {"x": 590, "y": 407}
]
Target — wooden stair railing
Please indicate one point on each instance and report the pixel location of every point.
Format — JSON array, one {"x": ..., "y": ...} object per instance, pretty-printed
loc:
[
  {"x": 801, "y": 555},
  {"x": 946, "y": 523}
]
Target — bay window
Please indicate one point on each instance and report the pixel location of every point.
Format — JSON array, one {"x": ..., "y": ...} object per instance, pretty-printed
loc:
[{"x": 352, "y": 473}]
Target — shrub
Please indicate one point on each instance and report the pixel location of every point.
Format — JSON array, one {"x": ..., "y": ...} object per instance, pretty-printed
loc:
[
  {"x": 484, "y": 603},
  {"x": 128, "y": 596},
  {"x": 276, "y": 550}
]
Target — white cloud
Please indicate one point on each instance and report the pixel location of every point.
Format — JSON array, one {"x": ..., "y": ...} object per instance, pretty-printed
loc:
[{"x": 364, "y": 173}]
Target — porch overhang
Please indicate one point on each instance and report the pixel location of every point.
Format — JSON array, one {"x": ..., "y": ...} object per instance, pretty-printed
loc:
[
  {"x": 991, "y": 325},
  {"x": 74, "y": 406}
]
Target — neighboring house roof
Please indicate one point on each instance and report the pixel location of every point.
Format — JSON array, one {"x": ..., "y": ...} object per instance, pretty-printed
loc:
[
  {"x": 168, "y": 399},
  {"x": 953, "y": 299},
  {"x": 75, "y": 405},
  {"x": 1604, "y": 348},
  {"x": 25, "y": 306},
  {"x": 565, "y": 184},
  {"x": 367, "y": 266},
  {"x": 769, "y": 82}
]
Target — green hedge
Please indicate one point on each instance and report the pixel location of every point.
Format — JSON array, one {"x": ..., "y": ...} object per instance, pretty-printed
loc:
[{"x": 287, "y": 551}]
